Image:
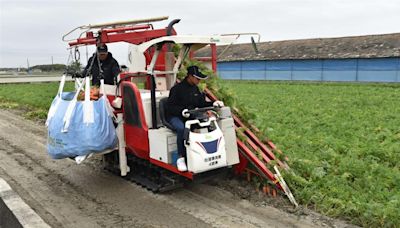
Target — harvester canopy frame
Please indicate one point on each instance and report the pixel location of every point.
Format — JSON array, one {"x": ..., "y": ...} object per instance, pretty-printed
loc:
[{"x": 189, "y": 43}]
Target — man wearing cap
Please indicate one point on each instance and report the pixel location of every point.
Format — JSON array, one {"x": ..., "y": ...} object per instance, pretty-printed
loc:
[
  {"x": 107, "y": 63},
  {"x": 183, "y": 97}
]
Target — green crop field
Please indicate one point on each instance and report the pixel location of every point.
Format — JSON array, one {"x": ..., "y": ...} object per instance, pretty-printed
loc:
[
  {"x": 34, "y": 98},
  {"x": 343, "y": 142}
]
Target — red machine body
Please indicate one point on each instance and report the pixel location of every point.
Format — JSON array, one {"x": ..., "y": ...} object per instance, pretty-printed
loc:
[{"x": 135, "y": 126}]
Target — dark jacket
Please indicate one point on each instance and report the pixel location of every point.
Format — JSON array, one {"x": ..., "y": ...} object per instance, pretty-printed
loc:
[
  {"x": 184, "y": 95},
  {"x": 110, "y": 70}
]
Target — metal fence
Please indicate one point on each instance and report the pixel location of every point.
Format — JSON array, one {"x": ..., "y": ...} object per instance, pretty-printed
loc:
[{"x": 363, "y": 70}]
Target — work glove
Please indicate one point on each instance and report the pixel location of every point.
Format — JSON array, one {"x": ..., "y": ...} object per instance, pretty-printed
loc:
[
  {"x": 74, "y": 74},
  {"x": 185, "y": 113},
  {"x": 78, "y": 75},
  {"x": 218, "y": 104}
]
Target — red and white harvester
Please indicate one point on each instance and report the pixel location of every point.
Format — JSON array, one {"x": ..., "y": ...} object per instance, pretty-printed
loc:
[{"x": 147, "y": 149}]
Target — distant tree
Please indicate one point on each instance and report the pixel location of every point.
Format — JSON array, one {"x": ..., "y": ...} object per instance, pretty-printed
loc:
[
  {"x": 74, "y": 69},
  {"x": 49, "y": 67},
  {"x": 76, "y": 66}
]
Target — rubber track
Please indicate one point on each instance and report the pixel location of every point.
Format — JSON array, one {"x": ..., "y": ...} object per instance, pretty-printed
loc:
[{"x": 144, "y": 174}]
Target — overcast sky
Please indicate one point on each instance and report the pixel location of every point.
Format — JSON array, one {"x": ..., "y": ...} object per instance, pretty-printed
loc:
[{"x": 33, "y": 29}]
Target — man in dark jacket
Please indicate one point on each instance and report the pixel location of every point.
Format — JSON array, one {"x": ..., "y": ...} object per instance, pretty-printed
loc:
[
  {"x": 108, "y": 64},
  {"x": 182, "y": 97}
]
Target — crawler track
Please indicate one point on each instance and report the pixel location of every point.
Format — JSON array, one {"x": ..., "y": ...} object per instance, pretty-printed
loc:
[
  {"x": 145, "y": 174},
  {"x": 154, "y": 178}
]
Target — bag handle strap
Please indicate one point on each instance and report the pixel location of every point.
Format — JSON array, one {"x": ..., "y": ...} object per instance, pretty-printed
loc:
[
  {"x": 87, "y": 89},
  {"x": 54, "y": 106},
  {"x": 71, "y": 107},
  {"x": 88, "y": 111},
  {"x": 110, "y": 109},
  {"x": 61, "y": 86}
]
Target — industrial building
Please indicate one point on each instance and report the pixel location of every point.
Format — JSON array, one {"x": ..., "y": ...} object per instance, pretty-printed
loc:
[{"x": 372, "y": 58}]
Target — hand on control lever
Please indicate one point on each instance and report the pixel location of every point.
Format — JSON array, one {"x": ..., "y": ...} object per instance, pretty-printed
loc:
[
  {"x": 218, "y": 104},
  {"x": 185, "y": 113}
]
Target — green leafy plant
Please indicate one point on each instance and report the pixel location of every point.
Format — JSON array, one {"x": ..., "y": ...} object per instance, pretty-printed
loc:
[{"x": 342, "y": 140}]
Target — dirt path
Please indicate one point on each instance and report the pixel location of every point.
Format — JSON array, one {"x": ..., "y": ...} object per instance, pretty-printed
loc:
[{"x": 68, "y": 195}]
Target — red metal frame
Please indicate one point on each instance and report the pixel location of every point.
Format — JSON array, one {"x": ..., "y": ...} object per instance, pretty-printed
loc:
[
  {"x": 172, "y": 168},
  {"x": 212, "y": 58},
  {"x": 260, "y": 166},
  {"x": 243, "y": 163},
  {"x": 123, "y": 34},
  {"x": 255, "y": 139},
  {"x": 136, "y": 34},
  {"x": 137, "y": 138},
  {"x": 248, "y": 153}
]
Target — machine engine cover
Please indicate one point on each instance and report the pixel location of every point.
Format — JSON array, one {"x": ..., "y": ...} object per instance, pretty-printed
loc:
[{"x": 206, "y": 151}]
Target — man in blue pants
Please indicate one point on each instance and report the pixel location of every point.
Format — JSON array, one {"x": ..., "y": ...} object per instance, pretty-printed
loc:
[{"x": 183, "y": 97}]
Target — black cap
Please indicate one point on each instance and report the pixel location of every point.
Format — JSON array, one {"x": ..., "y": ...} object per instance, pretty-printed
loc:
[
  {"x": 102, "y": 48},
  {"x": 194, "y": 70}
]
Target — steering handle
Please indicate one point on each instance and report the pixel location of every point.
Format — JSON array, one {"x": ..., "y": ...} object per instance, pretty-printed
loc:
[{"x": 199, "y": 110}]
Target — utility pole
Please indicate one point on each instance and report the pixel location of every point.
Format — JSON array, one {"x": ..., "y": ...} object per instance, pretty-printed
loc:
[
  {"x": 27, "y": 63},
  {"x": 52, "y": 68}
]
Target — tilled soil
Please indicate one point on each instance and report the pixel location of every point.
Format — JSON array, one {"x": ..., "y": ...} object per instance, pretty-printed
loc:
[{"x": 68, "y": 195}]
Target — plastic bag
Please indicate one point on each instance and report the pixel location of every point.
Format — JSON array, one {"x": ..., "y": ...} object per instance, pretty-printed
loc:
[{"x": 77, "y": 128}]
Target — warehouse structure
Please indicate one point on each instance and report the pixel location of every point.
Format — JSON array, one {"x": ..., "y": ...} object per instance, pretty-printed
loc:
[{"x": 373, "y": 58}]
